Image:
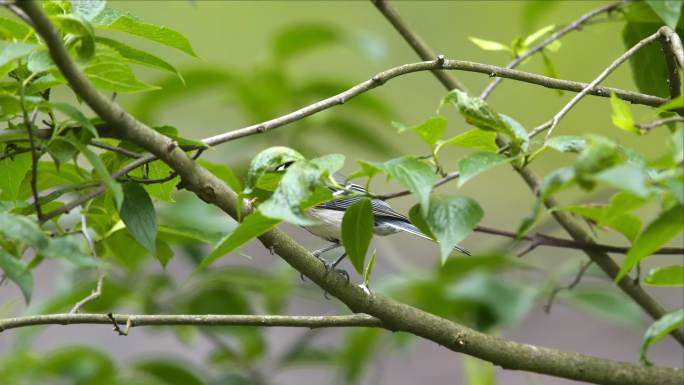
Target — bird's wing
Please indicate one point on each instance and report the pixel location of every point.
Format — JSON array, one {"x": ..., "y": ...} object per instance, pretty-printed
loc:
[{"x": 380, "y": 208}]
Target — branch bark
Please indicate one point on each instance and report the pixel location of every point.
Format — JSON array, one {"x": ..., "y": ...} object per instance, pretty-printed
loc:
[
  {"x": 135, "y": 320},
  {"x": 603, "y": 260},
  {"x": 394, "y": 315}
]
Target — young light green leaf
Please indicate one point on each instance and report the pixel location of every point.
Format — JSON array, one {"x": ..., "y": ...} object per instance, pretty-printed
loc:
[
  {"x": 567, "y": 143},
  {"x": 81, "y": 28},
  {"x": 10, "y": 51},
  {"x": 137, "y": 56},
  {"x": 357, "y": 232},
  {"x": 253, "y": 226},
  {"x": 267, "y": 161},
  {"x": 430, "y": 130},
  {"x": 475, "y": 139},
  {"x": 162, "y": 191},
  {"x": 368, "y": 271},
  {"x": 668, "y": 10},
  {"x": 666, "y": 276},
  {"x": 656, "y": 234},
  {"x": 477, "y": 163},
  {"x": 109, "y": 71},
  {"x": 451, "y": 219},
  {"x": 101, "y": 170},
  {"x": 112, "y": 19},
  {"x": 137, "y": 212},
  {"x": 673, "y": 104},
  {"x": 518, "y": 134},
  {"x": 12, "y": 30},
  {"x": 21, "y": 228},
  {"x": 530, "y": 39},
  {"x": 489, "y": 45},
  {"x": 414, "y": 174},
  {"x": 75, "y": 114},
  {"x": 550, "y": 69},
  {"x": 622, "y": 114},
  {"x": 15, "y": 269},
  {"x": 600, "y": 154},
  {"x": 659, "y": 329}
]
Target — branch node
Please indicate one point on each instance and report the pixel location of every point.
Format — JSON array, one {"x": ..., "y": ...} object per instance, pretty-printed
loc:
[
  {"x": 116, "y": 327},
  {"x": 171, "y": 146},
  {"x": 440, "y": 60}
]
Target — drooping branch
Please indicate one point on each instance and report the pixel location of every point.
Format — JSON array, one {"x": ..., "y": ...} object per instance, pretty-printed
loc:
[
  {"x": 603, "y": 260},
  {"x": 136, "y": 320},
  {"x": 393, "y": 315}
]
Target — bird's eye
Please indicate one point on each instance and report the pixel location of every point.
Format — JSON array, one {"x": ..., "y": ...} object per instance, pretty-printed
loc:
[{"x": 283, "y": 167}]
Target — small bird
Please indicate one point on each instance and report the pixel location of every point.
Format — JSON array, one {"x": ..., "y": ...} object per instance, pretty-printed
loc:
[{"x": 329, "y": 217}]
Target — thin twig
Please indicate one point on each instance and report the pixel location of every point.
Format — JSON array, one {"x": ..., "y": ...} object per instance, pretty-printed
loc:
[
  {"x": 604, "y": 74},
  {"x": 659, "y": 122},
  {"x": 575, "y": 25},
  {"x": 356, "y": 320},
  {"x": 575, "y": 282},
  {"x": 34, "y": 154},
  {"x": 97, "y": 292}
]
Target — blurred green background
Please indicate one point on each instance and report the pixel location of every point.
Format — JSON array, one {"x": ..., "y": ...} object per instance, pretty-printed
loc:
[{"x": 240, "y": 80}]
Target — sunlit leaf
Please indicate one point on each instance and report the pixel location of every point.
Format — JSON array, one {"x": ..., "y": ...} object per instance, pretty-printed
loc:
[
  {"x": 666, "y": 276},
  {"x": 430, "y": 130},
  {"x": 489, "y": 45},
  {"x": 477, "y": 163},
  {"x": 475, "y": 139},
  {"x": 622, "y": 114}
]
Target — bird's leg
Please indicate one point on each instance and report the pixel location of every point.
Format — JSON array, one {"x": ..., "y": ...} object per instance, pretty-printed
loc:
[
  {"x": 332, "y": 266},
  {"x": 319, "y": 252}
]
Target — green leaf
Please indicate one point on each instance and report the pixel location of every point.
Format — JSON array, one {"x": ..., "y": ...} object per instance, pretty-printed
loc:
[
  {"x": 12, "y": 172},
  {"x": 302, "y": 182},
  {"x": 224, "y": 173},
  {"x": 416, "y": 175},
  {"x": 16, "y": 271},
  {"x": 101, "y": 170},
  {"x": 659, "y": 329},
  {"x": 174, "y": 233},
  {"x": 552, "y": 183},
  {"x": 600, "y": 154},
  {"x": 622, "y": 114},
  {"x": 666, "y": 276},
  {"x": 137, "y": 212},
  {"x": 477, "y": 163},
  {"x": 167, "y": 371},
  {"x": 673, "y": 104},
  {"x": 253, "y": 226},
  {"x": 162, "y": 191},
  {"x": 489, "y": 45},
  {"x": 357, "y": 232},
  {"x": 608, "y": 304},
  {"x": 68, "y": 248},
  {"x": 430, "y": 130},
  {"x": 653, "y": 81},
  {"x": 567, "y": 143},
  {"x": 109, "y": 71},
  {"x": 267, "y": 161},
  {"x": 550, "y": 69},
  {"x": 530, "y": 39},
  {"x": 75, "y": 114},
  {"x": 478, "y": 372},
  {"x": 668, "y": 10},
  {"x": 78, "y": 26},
  {"x": 451, "y": 219},
  {"x": 137, "y": 56},
  {"x": 11, "y": 51},
  {"x": 656, "y": 234},
  {"x": 112, "y": 19},
  {"x": 368, "y": 271},
  {"x": 88, "y": 9},
  {"x": 10, "y": 29},
  {"x": 301, "y": 38},
  {"x": 21, "y": 228},
  {"x": 475, "y": 139},
  {"x": 39, "y": 61},
  {"x": 629, "y": 177}
]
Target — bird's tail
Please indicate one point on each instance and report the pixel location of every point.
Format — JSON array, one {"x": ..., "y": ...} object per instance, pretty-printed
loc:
[{"x": 409, "y": 228}]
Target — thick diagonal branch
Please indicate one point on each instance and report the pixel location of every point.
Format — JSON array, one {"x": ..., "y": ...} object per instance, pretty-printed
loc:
[{"x": 393, "y": 315}]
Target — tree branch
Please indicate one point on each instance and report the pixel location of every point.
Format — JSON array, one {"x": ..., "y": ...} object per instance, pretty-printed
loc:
[
  {"x": 575, "y": 25},
  {"x": 674, "y": 60},
  {"x": 659, "y": 122},
  {"x": 393, "y": 315},
  {"x": 135, "y": 320},
  {"x": 603, "y": 260}
]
